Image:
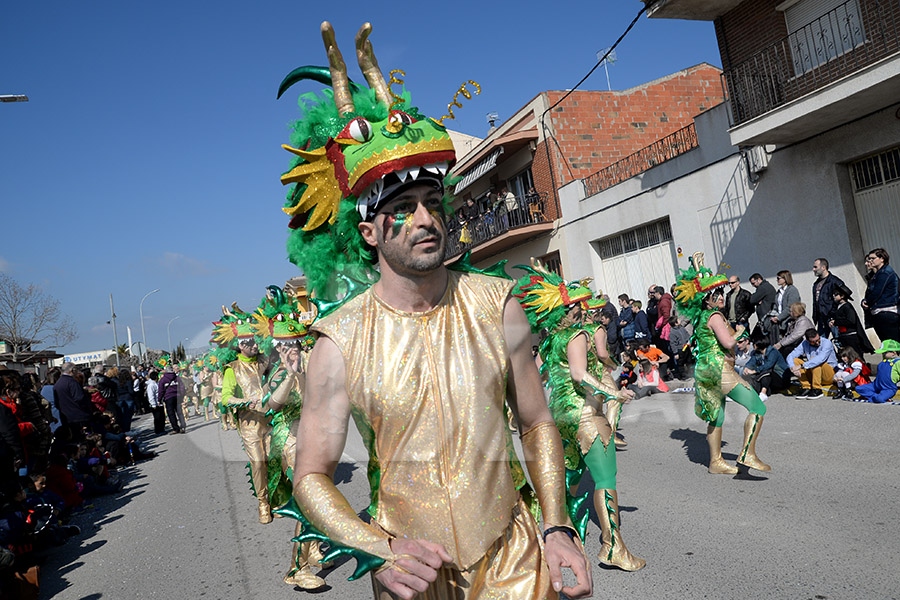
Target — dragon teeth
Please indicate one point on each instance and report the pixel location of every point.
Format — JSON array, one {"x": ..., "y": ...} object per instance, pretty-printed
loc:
[{"x": 414, "y": 172}]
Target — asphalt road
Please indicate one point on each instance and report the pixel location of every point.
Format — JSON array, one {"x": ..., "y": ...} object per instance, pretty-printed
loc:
[{"x": 822, "y": 525}]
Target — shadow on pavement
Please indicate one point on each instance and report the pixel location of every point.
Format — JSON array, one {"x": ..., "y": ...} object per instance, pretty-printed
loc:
[
  {"x": 62, "y": 560},
  {"x": 694, "y": 444}
]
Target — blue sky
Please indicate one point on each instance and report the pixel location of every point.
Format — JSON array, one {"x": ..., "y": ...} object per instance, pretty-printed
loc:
[{"x": 150, "y": 151}]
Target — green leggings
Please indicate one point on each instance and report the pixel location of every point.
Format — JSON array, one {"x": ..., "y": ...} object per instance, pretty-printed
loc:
[
  {"x": 747, "y": 398},
  {"x": 602, "y": 464}
]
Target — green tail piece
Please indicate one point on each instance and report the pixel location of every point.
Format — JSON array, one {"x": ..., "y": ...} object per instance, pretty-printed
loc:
[{"x": 750, "y": 437}]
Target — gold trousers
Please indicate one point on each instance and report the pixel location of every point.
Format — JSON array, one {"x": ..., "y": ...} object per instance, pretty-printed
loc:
[
  {"x": 513, "y": 569},
  {"x": 254, "y": 429}
]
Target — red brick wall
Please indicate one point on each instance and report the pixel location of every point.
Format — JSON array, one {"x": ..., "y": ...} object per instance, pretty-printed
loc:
[
  {"x": 748, "y": 28},
  {"x": 543, "y": 185},
  {"x": 595, "y": 129}
]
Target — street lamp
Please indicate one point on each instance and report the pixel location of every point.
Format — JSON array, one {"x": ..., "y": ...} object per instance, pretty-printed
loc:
[
  {"x": 169, "y": 335},
  {"x": 143, "y": 333}
]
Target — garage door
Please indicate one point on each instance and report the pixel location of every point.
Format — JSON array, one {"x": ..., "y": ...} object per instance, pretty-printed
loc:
[
  {"x": 634, "y": 260},
  {"x": 876, "y": 185}
]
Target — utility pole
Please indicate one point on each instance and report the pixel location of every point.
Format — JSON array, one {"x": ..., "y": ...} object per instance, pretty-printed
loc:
[{"x": 115, "y": 333}]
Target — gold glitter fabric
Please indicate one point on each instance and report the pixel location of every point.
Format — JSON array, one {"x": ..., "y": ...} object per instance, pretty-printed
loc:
[
  {"x": 430, "y": 387},
  {"x": 248, "y": 375},
  {"x": 254, "y": 429},
  {"x": 512, "y": 569},
  {"x": 544, "y": 456},
  {"x": 593, "y": 424},
  {"x": 329, "y": 511}
]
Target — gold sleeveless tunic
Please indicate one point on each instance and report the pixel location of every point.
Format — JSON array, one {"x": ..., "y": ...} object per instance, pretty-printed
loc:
[{"x": 429, "y": 389}]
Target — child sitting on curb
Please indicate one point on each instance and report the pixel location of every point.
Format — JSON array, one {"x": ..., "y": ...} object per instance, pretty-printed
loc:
[{"x": 886, "y": 377}]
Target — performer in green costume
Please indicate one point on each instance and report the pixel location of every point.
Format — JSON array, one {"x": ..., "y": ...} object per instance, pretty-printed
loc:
[
  {"x": 700, "y": 296},
  {"x": 580, "y": 385}
]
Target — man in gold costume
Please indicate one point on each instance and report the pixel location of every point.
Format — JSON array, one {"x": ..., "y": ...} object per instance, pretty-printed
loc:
[
  {"x": 424, "y": 359},
  {"x": 242, "y": 389}
]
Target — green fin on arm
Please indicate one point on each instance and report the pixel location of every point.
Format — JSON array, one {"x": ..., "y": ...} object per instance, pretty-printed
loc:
[
  {"x": 365, "y": 562},
  {"x": 463, "y": 265}
]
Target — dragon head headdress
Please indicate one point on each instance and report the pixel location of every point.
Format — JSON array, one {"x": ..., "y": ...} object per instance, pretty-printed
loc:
[
  {"x": 545, "y": 296},
  {"x": 694, "y": 285},
  {"x": 354, "y": 149},
  {"x": 282, "y": 319}
]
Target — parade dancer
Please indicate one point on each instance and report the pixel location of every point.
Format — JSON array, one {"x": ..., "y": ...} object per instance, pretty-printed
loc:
[
  {"x": 701, "y": 296},
  {"x": 596, "y": 323},
  {"x": 278, "y": 321},
  {"x": 580, "y": 385},
  {"x": 206, "y": 385},
  {"x": 424, "y": 360},
  {"x": 242, "y": 392}
]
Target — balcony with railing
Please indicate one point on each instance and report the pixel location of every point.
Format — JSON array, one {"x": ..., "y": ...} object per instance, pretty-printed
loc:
[
  {"x": 646, "y": 158},
  {"x": 499, "y": 228},
  {"x": 856, "y": 36}
]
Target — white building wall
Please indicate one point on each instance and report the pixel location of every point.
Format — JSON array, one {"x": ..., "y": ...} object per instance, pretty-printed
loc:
[{"x": 799, "y": 208}]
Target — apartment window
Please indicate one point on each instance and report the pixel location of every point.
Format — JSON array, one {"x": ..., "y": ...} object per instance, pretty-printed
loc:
[
  {"x": 644, "y": 236},
  {"x": 876, "y": 170},
  {"x": 552, "y": 263},
  {"x": 521, "y": 183},
  {"x": 820, "y": 30}
]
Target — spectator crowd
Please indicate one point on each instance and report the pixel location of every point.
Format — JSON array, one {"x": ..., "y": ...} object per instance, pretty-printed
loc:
[
  {"x": 63, "y": 441},
  {"x": 819, "y": 344}
]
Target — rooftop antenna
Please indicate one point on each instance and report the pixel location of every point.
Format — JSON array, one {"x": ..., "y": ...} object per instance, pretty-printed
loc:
[
  {"x": 609, "y": 60},
  {"x": 492, "y": 117}
]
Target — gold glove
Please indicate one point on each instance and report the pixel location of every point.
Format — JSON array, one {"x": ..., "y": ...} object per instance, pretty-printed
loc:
[
  {"x": 593, "y": 386},
  {"x": 546, "y": 465},
  {"x": 329, "y": 512},
  {"x": 283, "y": 392}
]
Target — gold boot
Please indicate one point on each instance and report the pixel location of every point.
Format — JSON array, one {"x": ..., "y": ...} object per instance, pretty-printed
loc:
[
  {"x": 717, "y": 464},
  {"x": 748, "y": 457},
  {"x": 300, "y": 573},
  {"x": 317, "y": 558},
  {"x": 613, "y": 553},
  {"x": 265, "y": 512}
]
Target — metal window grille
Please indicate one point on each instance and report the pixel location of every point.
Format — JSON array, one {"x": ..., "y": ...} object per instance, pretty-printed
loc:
[
  {"x": 552, "y": 263},
  {"x": 644, "y": 236},
  {"x": 876, "y": 170}
]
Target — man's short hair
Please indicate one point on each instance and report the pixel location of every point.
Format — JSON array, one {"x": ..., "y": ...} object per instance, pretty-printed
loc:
[
  {"x": 823, "y": 262},
  {"x": 637, "y": 304},
  {"x": 97, "y": 370},
  {"x": 811, "y": 333},
  {"x": 737, "y": 279},
  {"x": 68, "y": 367},
  {"x": 755, "y": 276},
  {"x": 623, "y": 297},
  {"x": 659, "y": 289}
]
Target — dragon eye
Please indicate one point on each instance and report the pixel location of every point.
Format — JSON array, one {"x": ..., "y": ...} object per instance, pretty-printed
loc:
[
  {"x": 240, "y": 321},
  {"x": 401, "y": 117},
  {"x": 279, "y": 317},
  {"x": 293, "y": 316},
  {"x": 360, "y": 130}
]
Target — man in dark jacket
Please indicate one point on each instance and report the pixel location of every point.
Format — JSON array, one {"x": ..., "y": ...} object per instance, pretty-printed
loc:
[
  {"x": 823, "y": 295},
  {"x": 171, "y": 391},
  {"x": 737, "y": 304},
  {"x": 764, "y": 301},
  {"x": 74, "y": 405}
]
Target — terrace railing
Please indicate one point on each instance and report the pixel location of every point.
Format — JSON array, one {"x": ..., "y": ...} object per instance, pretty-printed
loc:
[
  {"x": 530, "y": 209},
  {"x": 854, "y": 35},
  {"x": 644, "y": 159}
]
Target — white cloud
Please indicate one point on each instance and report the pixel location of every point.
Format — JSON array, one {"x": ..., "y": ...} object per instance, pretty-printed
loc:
[
  {"x": 4, "y": 265},
  {"x": 184, "y": 266}
]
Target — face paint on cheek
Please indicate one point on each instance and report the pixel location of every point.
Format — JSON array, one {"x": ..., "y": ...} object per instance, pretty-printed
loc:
[{"x": 398, "y": 220}]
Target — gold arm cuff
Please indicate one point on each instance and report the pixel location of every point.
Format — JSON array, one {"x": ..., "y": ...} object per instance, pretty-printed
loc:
[
  {"x": 596, "y": 387},
  {"x": 546, "y": 465},
  {"x": 329, "y": 512},
  {"x": 283, "y": 392}
]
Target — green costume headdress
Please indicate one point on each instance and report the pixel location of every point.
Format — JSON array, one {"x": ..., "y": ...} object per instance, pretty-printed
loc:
[
  {"x": 281, "y": 320},
  {"x": 355, "y": 147},
  {"x": 545, "y": 296},
  {"x": 694, "y": 285}
]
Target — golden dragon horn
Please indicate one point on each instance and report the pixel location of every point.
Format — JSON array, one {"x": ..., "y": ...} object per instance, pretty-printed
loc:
[
  {"x": 340, "y": 83},
  {"x": 368, "y": 64}
]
